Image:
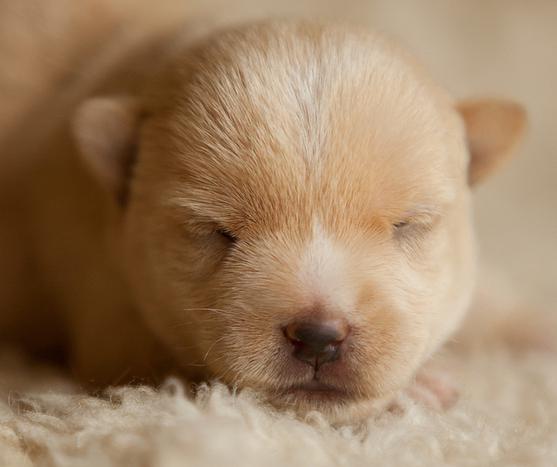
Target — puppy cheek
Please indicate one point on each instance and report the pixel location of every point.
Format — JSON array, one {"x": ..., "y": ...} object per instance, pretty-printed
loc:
[
  {"x": 390, "y": 348},
  {"x": 251, "y": 356}
]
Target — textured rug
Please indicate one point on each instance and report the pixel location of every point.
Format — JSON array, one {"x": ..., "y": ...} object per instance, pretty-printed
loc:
[{"x": 506, "y": 416}]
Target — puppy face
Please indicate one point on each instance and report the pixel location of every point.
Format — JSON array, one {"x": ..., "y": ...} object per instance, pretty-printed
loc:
[{"x": 298, "y": 218}]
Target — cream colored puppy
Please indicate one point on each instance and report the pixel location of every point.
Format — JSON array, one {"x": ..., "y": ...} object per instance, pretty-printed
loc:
[{"x": 285, "y": 206}]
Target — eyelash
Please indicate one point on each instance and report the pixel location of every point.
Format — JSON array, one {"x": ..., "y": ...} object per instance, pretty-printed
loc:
[
  {"x": 227, "y": 235},
  {"x": 408, "y": 230},
  {"x": 400, "y": 225}
]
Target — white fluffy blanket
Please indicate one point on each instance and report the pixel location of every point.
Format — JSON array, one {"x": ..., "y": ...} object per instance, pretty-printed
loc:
[{"x": 506, "y": 416}]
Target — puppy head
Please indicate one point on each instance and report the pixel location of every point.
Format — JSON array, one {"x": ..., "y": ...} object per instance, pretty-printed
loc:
[{"x": 298, "y": 216}]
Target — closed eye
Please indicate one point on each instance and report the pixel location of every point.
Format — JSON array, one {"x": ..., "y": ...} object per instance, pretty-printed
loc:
[
  {"x": 421, "y": 220},
  {"x": 401, "y": 225},
  {"x": 414, "y": 228},
  {"x": 227, "y": 235}
]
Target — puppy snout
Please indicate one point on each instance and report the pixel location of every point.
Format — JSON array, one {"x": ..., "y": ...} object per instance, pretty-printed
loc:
[{"x": 317, "y": 342}]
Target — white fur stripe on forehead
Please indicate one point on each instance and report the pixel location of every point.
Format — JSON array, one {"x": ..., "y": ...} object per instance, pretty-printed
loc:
[{"x": 323, "y": 272}]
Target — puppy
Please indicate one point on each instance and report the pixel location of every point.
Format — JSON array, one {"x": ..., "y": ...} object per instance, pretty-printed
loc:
[{"x": 284, "y": 206}]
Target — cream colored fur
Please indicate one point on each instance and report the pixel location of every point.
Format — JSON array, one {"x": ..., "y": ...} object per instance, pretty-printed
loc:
[
  {"x": 505, "y": 415},
  {"x": 350, "y": 145},
  {"x": 283, "y": 134}
]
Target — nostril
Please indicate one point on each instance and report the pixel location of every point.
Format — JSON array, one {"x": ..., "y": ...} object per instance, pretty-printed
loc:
[
  {"x": 317, "y": 342},
  {"x": 317, "y": 333},
  {"x": 291, "y": 333}
]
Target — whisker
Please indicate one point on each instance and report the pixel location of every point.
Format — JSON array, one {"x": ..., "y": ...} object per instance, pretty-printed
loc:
[
  {"x": 213, "y": 346},
  {"x": 221, "y": 376},
  {"x": 218, "y": 359}
]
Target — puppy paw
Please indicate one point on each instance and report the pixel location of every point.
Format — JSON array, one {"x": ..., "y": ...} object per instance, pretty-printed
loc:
[{"x": 434, "y": 390}]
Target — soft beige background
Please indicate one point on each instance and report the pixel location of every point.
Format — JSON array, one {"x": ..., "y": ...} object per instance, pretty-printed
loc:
[{"x": 506, "y": 48}]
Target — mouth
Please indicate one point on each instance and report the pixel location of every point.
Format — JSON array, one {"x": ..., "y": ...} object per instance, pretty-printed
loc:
[{"x": 316, "y": 391}]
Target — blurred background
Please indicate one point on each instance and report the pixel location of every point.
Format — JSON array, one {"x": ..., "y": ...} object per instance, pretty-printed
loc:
[{"x": 504, "y": 48}]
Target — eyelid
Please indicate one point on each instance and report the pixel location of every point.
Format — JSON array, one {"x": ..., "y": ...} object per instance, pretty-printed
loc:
[
  {"x": 227, "y": 233},
  {"x": 416, "y": 225},
  {"x": 422, "y": 216}
]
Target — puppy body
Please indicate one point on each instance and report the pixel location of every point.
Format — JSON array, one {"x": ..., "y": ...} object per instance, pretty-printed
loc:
[{"x": 278, "y": 172}]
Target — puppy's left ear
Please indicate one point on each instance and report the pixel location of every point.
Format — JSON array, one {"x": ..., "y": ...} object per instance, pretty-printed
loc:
[
  {"x": 493, "y": 128},
  {"x": 106, "y": 132}
]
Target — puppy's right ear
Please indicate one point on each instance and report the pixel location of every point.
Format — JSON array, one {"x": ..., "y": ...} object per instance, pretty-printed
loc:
[{"x": 106, "y": 131}]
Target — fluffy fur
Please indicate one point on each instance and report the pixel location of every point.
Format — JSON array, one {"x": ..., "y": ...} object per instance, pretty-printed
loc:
[
  {"x": 339, "y": 173},
  {"x": 506, "y": 415}
]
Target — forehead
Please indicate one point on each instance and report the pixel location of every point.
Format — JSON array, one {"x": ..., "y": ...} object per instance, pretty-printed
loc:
[{"x": 283, "y": 118}]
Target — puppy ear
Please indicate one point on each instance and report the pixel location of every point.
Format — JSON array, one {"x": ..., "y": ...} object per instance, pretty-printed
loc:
[
  {"x": 105, "y": 129},
  {"x": 494, "y": 128}
]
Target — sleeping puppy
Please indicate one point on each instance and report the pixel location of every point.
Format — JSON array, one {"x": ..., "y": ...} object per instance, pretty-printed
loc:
[{"x": 284, "y": 206}]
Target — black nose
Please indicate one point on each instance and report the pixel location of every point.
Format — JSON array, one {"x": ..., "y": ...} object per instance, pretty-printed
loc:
[{"x": 317, "y": 342}]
